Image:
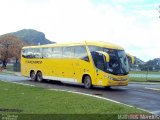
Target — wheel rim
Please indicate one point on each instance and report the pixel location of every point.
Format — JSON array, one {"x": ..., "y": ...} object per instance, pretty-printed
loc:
[
  {"x": 87, "y": 83},
  {"x": 32, "y": 76},
  {"x": 39, "y": 76}
]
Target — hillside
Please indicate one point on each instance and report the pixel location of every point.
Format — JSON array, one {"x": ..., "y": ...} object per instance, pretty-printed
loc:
[
  {"x": 32, "y": 37},
  {"x": 151, "y": 65},
  {"x": 138, "y": 61}
]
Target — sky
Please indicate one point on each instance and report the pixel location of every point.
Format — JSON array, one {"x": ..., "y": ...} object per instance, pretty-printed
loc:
[{"x": 132, "y": 24}]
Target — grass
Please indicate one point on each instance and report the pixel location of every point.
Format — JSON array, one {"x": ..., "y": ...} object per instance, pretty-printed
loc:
[
  {"x": 8, "y": 72},
  {"x": 9, "y": 67},
  {"x": 35, "y": 103}
]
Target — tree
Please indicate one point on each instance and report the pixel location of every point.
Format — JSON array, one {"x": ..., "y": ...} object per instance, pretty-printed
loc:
[{"x": 10, "y": 46}]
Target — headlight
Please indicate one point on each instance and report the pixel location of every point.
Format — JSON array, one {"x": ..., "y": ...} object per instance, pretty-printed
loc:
[{"x": 116, "y": 79}]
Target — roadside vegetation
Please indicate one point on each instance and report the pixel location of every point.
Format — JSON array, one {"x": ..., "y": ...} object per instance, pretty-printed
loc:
[
  {"x": 144, "y": 72},
  {"x": 149, "y": 80},
  {"x": 22, "y": 100},
  {"x": 144, "y": 76},
  {"x": 9, "y": 67}
]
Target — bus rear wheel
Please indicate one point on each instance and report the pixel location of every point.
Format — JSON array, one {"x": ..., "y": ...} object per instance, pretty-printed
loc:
[
  {"x": 87, "y": 82},
  {"x": 32, "y": 76},
  {"x": 39, "y": 76}
]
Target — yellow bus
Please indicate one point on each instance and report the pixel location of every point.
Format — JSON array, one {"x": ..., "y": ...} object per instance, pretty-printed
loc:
[{"x": 87, "y": 63}]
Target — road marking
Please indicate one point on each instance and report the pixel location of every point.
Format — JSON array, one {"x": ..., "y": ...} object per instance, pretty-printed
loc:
[
  {"x": 100, "y": 98},
  {"x": 157, "y": 89},
  {"x": 24, "y": 84}
]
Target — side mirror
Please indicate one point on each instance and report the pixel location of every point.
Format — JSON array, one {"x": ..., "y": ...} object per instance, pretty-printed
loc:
[
  {"x": 107, "y": 58},
  {"x": 131, "y": 58}
]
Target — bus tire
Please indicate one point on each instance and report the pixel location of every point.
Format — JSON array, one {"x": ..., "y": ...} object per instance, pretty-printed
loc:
[
  {"x": 107, "y": 87},
  {"x": 33, "y": 76},
  {"x": 39, "y": 76},
  {"x": 87, "y": 82}
]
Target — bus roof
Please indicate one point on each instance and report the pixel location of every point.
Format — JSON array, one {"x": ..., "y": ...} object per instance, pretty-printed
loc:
[
  {"x": 96, "y": 43},
  {"x": 104, "y": 44}
]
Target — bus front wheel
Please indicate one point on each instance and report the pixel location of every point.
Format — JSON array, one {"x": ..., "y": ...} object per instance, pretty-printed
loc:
[
  {"x": 107, "y": 87},
  {"x": 39, "y": 76},
  {"x": 33, "y": 76},
  {"x": 87, "y": 82}
]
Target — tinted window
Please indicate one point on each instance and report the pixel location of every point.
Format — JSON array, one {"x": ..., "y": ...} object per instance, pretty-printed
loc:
[
  {"x": 57, "y": 52},
  {"x": 95, "y": 48},
  {"x": 31, "y": 53},
  {"x": 47, "y": 52},
  {"x": 68, "y": 52},
  {"x": 80, "y": 52},
  {"x": 37, "y": 53},
  {"x": 24, "y": 53},
  {"x": 98, "y": 60}
]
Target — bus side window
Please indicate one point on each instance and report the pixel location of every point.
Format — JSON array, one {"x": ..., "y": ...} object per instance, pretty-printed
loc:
[
  {"x": 80, "y": 52},
  {"x": 98, "y": 60},
  {"x": 68, "y": 52},
  {"x": 24, "y": 53},
  {"x": 37, "y": 53},
  {"x": 30, "y": 53},
  {"x": 95, "y": 48},
  {"x": 57, "y": 53},
  {"x": 46, "y": 52}
]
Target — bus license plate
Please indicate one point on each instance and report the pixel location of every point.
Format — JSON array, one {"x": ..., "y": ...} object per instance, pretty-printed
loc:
[{"x": 120, "y": 83}]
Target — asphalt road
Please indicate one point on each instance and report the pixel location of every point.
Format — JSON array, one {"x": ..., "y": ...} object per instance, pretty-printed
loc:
[{"x": 145, "y": 96}]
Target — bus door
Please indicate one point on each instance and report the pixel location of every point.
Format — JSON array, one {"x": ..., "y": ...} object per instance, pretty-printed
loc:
[
  {"x": 81, "y": 64},
  {"x": 100, "y": 66}
]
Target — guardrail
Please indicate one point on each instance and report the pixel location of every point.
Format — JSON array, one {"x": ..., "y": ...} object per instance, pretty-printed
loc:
[
  {"x": 145, "y": 76},
  {"x": 1, "y": 69}
]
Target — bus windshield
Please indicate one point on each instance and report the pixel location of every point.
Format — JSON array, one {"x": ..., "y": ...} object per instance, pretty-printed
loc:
[{"x": 118, "y": 64}]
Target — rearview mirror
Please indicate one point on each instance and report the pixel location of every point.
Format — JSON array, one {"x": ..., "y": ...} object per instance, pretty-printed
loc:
[
  {"x": 131, "y": 58},
  {"x": 106, "y": 55}
]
